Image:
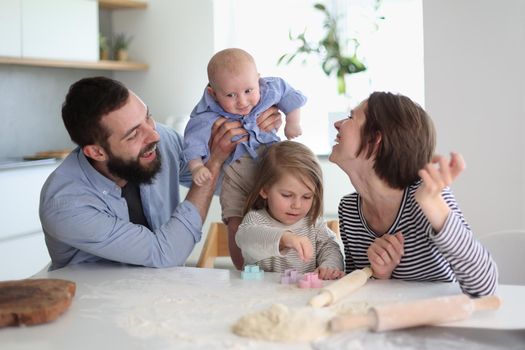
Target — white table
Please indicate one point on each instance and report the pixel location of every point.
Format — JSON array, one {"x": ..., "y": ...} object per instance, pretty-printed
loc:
[{"x": 122, "y": 307}]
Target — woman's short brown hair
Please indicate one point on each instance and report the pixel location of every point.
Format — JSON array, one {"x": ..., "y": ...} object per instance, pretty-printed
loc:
[
  {"x": 407, "y": 137},
  {"x": 288, "y": 157}
]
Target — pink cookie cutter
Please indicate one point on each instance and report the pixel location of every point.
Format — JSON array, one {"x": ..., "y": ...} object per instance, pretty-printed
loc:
[
  {"x": 310, "y": 280},
  {"x": 290, "y": 276}
]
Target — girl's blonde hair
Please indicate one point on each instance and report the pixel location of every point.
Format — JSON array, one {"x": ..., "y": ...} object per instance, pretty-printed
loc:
[{"x": 288, "y": 157}]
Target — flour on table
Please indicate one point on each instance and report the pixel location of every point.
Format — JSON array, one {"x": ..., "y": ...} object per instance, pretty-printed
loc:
[{"x": 280, "y": 323}]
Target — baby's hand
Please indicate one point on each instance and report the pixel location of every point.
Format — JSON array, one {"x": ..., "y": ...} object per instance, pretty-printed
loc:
[
  {"x": 201, "y": 175},
  {"x": 329, "y": 273},
  {"x": 292, "y": 130},
  {"x": 300, "y": 244}
]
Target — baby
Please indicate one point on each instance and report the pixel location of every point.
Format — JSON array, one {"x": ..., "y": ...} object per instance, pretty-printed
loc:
[{"x": 236, "y": 91}]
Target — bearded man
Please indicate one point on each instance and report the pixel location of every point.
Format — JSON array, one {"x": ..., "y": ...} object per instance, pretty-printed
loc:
[{"x": 116, "y": 196}]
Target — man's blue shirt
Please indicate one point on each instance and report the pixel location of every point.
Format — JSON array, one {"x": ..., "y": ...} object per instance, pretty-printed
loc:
[{"x": 85, "y": 218}]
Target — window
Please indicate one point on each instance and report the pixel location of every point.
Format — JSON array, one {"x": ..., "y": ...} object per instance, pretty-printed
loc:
[{"x": 393, "y": 53}]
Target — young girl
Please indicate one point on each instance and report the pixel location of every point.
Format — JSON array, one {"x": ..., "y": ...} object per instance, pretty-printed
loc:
[{"x": 280, "y": 229}]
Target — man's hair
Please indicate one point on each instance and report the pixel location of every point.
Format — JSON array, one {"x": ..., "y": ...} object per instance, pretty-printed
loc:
[
  {"x": 293, "y": 158},
  {"x": 407, "y": 138},
  {"x": 87, "y": 101}
]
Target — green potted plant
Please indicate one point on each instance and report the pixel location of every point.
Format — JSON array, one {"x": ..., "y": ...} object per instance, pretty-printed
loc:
[
  {"x": 330, "y": 51},
  {"x": 121, "y": 44},
  {"x": 103, "y": 47}
]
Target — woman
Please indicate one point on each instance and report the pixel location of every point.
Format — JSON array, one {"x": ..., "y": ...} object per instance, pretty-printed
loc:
[{"x": 403, "y": 219}]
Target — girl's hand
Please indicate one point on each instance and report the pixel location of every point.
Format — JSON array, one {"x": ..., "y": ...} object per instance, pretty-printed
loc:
[
  {"x": 329, "y": 273},
  {"x": 385, "y": 254},
  {"x": 435, "y": 179},
  {"x": 300, "y": 244}
]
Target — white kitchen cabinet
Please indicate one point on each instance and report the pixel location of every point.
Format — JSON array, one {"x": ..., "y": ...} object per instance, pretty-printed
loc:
[
  {"x": 122, "y": 4},
  {"x": 60, "y": 29},
  {"x": 23, "y": 257},
  {"x": 10, "y": 28},
  {"x": 22, "y": 248},
  {"x": 58, "y": 33}
]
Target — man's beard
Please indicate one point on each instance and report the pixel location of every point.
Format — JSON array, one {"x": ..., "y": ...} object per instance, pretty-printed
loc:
[{"x": 131, "y": 170}]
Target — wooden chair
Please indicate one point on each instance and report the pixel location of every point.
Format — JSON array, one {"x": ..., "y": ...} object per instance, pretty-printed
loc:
[
  {"x": 216, "y": 244},
  {"x": 334, "y": 226}
]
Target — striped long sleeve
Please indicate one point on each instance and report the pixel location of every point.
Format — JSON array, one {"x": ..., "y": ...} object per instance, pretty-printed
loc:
[{"x": 451, "y": 255}]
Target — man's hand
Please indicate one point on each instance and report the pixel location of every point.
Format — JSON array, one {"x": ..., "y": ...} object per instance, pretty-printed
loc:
[
  {"x": 300, "y": 244},
  {"x": 221, "y": 144},
  {"x": 385, "y": 254},
  {"x": 270, "y": 120}
]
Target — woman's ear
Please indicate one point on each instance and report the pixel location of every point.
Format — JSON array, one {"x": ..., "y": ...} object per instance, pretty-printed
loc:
[
  {"x": 375, "y": 143},
  {"x": 95, "y": 152},
  {"x": 378, "y": 138}
]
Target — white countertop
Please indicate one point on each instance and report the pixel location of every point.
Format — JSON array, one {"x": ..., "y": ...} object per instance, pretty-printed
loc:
[
  {"x": 20, "y": 162},
  {"x": 121, "y": 307}
]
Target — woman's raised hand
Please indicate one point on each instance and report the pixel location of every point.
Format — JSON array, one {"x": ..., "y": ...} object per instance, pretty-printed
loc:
[
  {"x": 437, "y": 175},
  {"x": 436, "y": 178}
]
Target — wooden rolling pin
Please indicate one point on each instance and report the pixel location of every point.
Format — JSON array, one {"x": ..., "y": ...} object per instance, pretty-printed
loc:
[
  {"x": 346, "y": 285},
  {"x": 418, "y": 313}
]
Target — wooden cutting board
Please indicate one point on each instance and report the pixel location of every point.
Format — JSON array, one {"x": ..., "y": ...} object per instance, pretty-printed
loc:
[
  {"x": 34, "y": 301},
  {"x": 59, "y": 154}
]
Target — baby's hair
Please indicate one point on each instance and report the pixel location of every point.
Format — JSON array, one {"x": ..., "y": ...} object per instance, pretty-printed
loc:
[
  {"x": 231, "y": 60},
  {"x": 288, "y": 157}
]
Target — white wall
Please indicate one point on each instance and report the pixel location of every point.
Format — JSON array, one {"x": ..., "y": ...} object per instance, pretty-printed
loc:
[
  {"x": 400, "y": 32},
  {"x": 176, "y": 39},
  {"x": 474, "y": 81},
  {"x": 30, "y": 103}
]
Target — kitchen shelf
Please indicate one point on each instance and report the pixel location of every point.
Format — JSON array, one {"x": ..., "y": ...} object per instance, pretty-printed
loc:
[
  {"x": 122, "y": 4},
  {"x": 96, "y": 65}
]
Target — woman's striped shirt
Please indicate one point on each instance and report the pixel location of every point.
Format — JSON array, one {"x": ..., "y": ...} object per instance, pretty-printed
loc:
[{"x": 448, "y": 256}]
